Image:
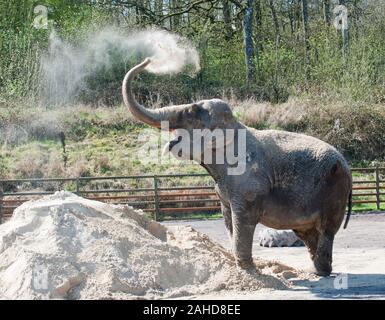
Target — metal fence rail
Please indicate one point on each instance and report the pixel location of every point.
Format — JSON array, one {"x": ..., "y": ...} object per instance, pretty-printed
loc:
[{"x": 162, "y": 196}]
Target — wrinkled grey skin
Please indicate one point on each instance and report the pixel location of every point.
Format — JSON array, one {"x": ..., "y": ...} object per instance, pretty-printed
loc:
[{"x": 292, "y": 181}]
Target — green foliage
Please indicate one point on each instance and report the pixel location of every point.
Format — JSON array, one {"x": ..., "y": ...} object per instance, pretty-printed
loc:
[
  {"x": 280, "y": 68},
  {"x": 106, "y": 141},
  {"x": 344, "y": 94}
]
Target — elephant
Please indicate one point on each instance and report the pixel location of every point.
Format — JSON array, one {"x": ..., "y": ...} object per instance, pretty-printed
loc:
[{"x": 291, "y": 180}]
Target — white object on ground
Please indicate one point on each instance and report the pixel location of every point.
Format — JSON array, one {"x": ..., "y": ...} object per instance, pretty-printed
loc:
[{"x": 278, "y": 238}]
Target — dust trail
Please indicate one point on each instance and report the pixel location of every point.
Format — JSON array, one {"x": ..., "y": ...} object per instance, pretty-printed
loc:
[
  {"x": 170, "y": 53},
  {"x": 67, "y": 68}
]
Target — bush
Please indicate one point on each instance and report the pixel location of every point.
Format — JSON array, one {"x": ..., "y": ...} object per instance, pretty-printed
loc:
[{"x": 356, "y": 130}]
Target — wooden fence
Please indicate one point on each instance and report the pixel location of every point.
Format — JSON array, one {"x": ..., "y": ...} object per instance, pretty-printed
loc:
[{"x": 163, "y": 196}]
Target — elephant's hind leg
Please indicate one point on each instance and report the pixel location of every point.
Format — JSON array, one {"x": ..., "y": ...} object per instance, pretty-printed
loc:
[
  {"x": 323, "y": 257},
  {"x": 310, "y": 238},
  {"x": 324, "y": 253},
  {"x": 320, "y": 247},
  {"x": 335, "y": 197},
  {"x": 331, "y": 220}
]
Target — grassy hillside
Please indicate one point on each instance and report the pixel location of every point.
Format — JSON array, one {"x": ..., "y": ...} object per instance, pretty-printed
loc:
[
  {"x": 102, "y": 141},
  {"x": 107, "y": 141}
]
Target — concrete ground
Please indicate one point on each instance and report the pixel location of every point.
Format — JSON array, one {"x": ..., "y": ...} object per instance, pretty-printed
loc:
[{"x": 358, "y": 261}]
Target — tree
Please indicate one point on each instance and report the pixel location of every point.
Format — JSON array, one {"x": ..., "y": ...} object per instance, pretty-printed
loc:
[
  {"x": 259, "y": 36},
  {"x": 305, "y": 22},
  {"x": 345, "y": 31},
  {"x": 275, "y": 20},
  {"x": 226, "y": 10},
  {"x": 248, "y": 41},
  {"x": 326, "y": 11}
]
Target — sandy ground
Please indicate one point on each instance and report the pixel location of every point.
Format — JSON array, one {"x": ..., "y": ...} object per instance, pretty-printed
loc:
[
  {"x": 358, "y": 267},
  {"x": 66, "y": 247}
]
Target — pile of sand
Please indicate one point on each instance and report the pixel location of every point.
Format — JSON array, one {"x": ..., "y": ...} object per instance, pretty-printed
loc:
[{"x": 64, "y": 246}]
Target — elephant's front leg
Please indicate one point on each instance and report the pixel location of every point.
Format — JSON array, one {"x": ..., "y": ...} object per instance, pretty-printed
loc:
[
  {"x": 243, "y": 232},
  {"x": 226, "y": 212}
]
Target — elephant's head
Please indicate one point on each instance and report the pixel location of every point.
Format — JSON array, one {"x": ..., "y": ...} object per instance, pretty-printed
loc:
[{"x": 210, "y": 116}]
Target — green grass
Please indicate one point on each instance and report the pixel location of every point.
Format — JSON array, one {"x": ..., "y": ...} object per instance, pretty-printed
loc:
[
  {"x": 190, "y": 216},
  {"x": 99, "y": 142},
  {"x": 357, "y": 209},
  {"x": 362, "y": 207}
]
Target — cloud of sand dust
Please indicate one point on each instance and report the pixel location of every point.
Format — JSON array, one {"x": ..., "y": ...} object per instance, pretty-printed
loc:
[{"x": 66, "y": 67}]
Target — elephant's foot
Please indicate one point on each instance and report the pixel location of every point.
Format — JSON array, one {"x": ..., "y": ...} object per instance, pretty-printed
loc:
[
  {"x": 245, "y": 264},
  {"x": 323, "y": 267}
]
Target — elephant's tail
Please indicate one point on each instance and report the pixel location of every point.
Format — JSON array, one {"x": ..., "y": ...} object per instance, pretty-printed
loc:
[{"x": 349, "y": 209}]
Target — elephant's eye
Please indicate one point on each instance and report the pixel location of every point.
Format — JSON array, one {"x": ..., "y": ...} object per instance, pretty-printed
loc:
[{"x": 195, "y": 112}]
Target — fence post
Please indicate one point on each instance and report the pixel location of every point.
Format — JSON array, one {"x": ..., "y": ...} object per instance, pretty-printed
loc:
[
  {"x": 378, "y": 188},
  {"x": 1, "y": 203},
  {"x": 77, "y": 186},
  {"x": 156, "y": 199}
]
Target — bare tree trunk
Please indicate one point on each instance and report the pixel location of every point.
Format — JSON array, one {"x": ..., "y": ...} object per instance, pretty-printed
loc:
[
  {"x": 176, "y": 20},
  {"x": 249, "y": 45},
  {"x": 277, "y": 39},
  {"x": 305, "y": 23},
  {"x": 298, "y": 15},
  {"x": 159, "y": 7},
  {"x": 258, "y": 16},
  {"x": 345, "y": 34},
  {"x": 326, "y": 11},
  {"x": 138, "y": 16},
  {"x": 226, "y": 9},
  {"x": 258, "y": 21},
  {"x": 291, "y": 17},
  {"x": 275, "y": 20},
  {"x": 168, "y": 10}
]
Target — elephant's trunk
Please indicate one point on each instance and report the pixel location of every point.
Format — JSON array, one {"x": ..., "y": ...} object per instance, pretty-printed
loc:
[{"x": 151, "y": 117}]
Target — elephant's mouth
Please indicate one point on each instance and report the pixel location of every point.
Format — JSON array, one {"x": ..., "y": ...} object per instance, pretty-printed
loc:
[
  {"x": 173, "y": 142},
  {"x": 169, "y": 145}
]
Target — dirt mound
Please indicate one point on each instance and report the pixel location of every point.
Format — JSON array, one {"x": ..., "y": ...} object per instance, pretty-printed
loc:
[{"x": 64, "y": 246}]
